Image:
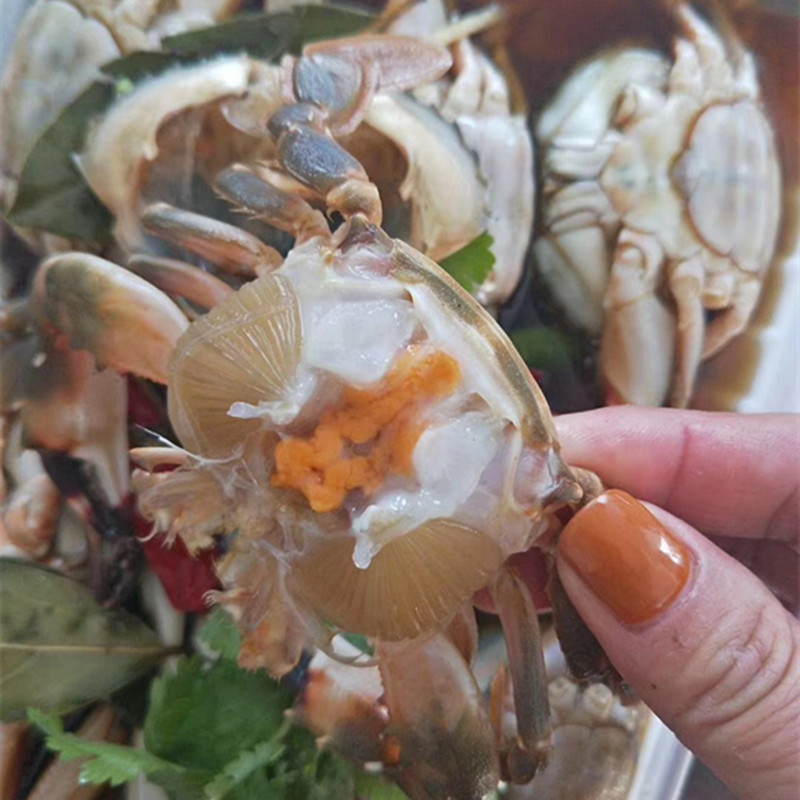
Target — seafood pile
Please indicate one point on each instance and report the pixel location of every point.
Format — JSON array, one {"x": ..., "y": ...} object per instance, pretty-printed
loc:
[{"x": 254, "y": 265}]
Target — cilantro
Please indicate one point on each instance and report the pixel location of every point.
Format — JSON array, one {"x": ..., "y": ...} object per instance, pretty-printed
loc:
[
  {"x": 204, "y": 717},
  {"x": 471, "y": 265},
  {"x": 245, "y": 764},
  {"x": 106, "y": 763},
  {"x": 218, "y": 732},
  {"x": 221, "y": 635}
]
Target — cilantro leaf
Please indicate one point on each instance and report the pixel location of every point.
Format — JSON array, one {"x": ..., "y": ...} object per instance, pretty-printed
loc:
[
  {"x": 221, "y": 635},
  {"x": 471, "y": 265},
  {"x": 245, "y": 764},
  {"x": 203, "y": 716},
  {"x": 105, "y": 762}
]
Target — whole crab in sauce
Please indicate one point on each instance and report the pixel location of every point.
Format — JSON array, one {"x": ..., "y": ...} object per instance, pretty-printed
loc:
[{"x": 662, "y": 202}]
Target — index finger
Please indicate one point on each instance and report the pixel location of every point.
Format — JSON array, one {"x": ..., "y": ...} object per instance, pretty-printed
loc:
[{"x": 726, "y": 474}]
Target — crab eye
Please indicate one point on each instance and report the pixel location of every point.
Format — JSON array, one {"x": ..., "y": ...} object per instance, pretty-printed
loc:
[
  {"x": 237, "y": 360},
  {"x": 412, "y": 585}
]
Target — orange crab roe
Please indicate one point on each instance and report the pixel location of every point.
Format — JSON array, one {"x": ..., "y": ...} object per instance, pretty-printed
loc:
[{"x": 383, "y": 421}]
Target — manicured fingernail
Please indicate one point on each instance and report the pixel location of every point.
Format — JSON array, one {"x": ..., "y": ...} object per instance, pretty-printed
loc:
[{"x": 626, "y": 557}]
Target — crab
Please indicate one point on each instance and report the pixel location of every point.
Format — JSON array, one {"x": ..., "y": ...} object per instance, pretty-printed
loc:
[
  {"x": 58, "y": 50},
  {"x": 440, "y": 164},
  {"x": 662, "y": 205},
  {"x": 348, "y": 417}
]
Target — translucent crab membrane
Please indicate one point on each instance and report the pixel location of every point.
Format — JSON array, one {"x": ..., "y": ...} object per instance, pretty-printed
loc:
[{"x": 397, "y": 470}]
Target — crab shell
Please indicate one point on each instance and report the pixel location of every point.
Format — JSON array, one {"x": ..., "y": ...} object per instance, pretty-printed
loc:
[{"x": 365, "y": 403}]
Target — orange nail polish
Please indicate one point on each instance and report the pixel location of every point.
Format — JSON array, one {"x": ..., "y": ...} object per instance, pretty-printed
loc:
[{"x": 626, "y": 557}]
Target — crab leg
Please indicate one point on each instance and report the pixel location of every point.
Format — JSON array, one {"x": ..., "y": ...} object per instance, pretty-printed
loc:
[
  {"x": 636, "y": 352},
  {"x": 179, "y": 278},
  {"x": 528, "y": 677},
  {"x": 341, "y": 76},
  {"x": 340, "y": 704},
  {"x": 319, "y": 162},
  {"x": 334, "y": 83},
  {"x": 733, "y": 320},
  {"x": 226, "y": 246},
  {"x": 686, "y": 286},
  {"x": 251, "y": 194},
  {"x": 438, "y": 718}
]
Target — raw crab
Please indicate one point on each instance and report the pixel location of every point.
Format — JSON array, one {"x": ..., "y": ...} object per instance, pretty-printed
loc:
[
  {"x": 663, "y": 199},
  {"x": 58, "y": 50},
  {"x": 354, "y": 422},
  {"x": 443, "y": 167}
]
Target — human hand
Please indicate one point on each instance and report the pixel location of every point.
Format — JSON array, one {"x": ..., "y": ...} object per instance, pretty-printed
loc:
[{"x": 703, "y": 640}]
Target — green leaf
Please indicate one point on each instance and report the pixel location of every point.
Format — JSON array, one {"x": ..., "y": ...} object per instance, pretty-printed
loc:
[
  {"x": 105, "y": 763},
  {"x": 359, "y": 641},
  {"x": 221, "y": 635},
  {"x": 203, "y": 716},
  {"x": 374, "y": 787},
  {"x": 58, "y": 647},
  {"x": 471, "y": 265},
  {"x": 52, "y": 194},
  {"x": 243, "y": 766},
  {"x": 543, "y": 348},
  {"x": 270, "y": 37}
]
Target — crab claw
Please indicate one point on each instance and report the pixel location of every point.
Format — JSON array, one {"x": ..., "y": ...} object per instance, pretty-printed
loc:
[
  {"x": 438, "y": 718},
  {"x": 86, "y": 303}
]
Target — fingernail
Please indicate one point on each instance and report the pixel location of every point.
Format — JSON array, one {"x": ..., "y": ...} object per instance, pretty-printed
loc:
[{"x": 626, "y": 557}]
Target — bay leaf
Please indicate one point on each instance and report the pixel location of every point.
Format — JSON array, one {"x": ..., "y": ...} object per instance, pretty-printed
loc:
[
  {"x": 52, "y": 194},
  {"x": 59, "y": 648}
]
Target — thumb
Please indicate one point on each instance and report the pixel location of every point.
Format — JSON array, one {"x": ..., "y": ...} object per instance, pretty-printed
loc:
[{"x": 700, "y": 638}]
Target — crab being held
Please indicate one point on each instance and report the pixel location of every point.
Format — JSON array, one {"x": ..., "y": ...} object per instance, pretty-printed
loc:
[
  {"x": 359, "y": 430},
  {"x": 662, "y": 204}
]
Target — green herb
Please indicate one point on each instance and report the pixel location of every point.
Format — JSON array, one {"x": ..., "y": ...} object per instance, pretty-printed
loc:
[
  {"x": 219, "y": 732},
  {"x": 52, "y": 194},
  {"x": 359, "y": 641},
  {"x": 204, "y": 716},
  {"x": 471, "y": 265},
  {"x": 105, "y": 763},
  {"x": 59, "y": 648},
  {"x": 247, "y": 763},
  {"x": 220, "y": 634},
  {"x": 269, "y": 37},
  {"x": 543, "y": 348},
  {"x": 376, "y": 788}
]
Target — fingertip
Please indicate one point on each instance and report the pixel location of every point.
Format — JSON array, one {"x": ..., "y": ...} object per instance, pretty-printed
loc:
[{"x": 710, "y": 651}]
